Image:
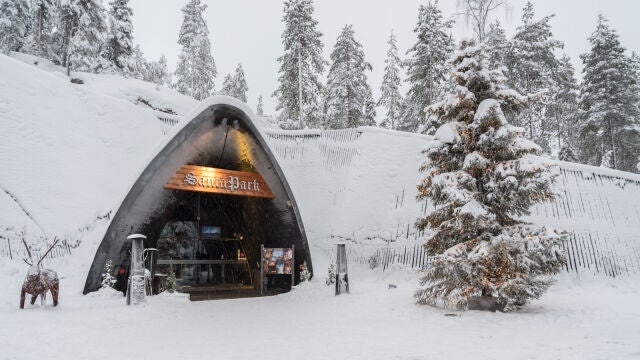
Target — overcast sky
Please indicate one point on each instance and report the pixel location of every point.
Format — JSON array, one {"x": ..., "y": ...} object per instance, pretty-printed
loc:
[{"x": 248, "y": 31}]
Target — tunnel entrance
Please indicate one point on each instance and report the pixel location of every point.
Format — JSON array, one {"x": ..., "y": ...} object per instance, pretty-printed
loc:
[{"x": 208, "y": 202}]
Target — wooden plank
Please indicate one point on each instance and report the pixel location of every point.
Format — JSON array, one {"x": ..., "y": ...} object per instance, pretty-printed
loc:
[{"x": 199, "y": 262}]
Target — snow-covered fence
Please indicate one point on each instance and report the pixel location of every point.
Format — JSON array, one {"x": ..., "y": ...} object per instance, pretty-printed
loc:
[
  {"x": 168, "y": 120},
  {"x": 12, "y": 248},
  {"x": 335, "y": 147}
]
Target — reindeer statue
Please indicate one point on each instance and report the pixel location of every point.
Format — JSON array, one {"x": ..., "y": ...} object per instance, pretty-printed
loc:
[{"x": 39, "y": 280}]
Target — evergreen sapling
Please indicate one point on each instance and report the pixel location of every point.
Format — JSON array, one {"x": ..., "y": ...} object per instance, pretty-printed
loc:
[{"x": 108, "y": 281}]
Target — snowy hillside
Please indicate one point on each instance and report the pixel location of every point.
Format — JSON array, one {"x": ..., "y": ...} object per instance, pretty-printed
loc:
[
  {"x": 70, "y": 152},
  {"x": 356, "y": 184}
]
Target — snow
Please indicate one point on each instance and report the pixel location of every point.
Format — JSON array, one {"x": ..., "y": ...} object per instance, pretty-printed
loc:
[
  {"x": 447, "y": 133},
  {"x": 575, "y": 320},
  {"x": 70, "y": 165}
]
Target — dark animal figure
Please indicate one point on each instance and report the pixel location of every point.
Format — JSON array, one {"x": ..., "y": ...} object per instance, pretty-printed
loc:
[{"x": 39, "y": 280}]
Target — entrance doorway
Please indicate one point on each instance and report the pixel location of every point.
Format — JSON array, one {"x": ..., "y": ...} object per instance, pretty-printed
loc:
[{"x": 201, "y": 257}]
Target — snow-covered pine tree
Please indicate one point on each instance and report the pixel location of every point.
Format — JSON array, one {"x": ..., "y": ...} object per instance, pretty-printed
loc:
[
  {"x": 531, "y": 62},
  {"x": 15, "y": 25},
  {"x": 260, "y": 107},
  {"x": 119, "y": 49},
  {"x": 227, "y": 85},
  {"x": 497, "y": 45},
  {"x": 236, "y": 85},
  {"x": 85, "y": 28},
  {"x": 568, "y": 153},
  {"x": 43, "y": 17},
  {"x": 348, "y": 92},
  {"x": 390, "y": 96},
  {"x": 140, "y": 68},
  {"x": 240, "y": 86},
  {"x": 563, "y": 105},
  {"x": 158, "y": 72},
  {"x": 482, "y": 177},
  {"x": 426, "y": 67},
  {"x": 196, "y": 67},
  {"x": 609, "y": 96},
  {"x": 302, "y": 51}
]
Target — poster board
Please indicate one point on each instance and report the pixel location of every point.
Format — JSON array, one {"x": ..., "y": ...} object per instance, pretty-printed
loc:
[{"x": 277, "y": 261}]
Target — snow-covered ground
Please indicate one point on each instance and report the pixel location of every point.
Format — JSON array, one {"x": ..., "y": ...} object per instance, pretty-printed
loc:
[
  {"x": 69, "y": 153},
  {"x": 594, "y": 318}
]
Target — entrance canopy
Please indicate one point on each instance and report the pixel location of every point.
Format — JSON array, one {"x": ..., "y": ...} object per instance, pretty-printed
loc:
[{"x": 215, "y": 173}]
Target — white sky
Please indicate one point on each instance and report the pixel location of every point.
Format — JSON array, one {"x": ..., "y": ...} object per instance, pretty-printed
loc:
[{"x": 248, "y": 31}]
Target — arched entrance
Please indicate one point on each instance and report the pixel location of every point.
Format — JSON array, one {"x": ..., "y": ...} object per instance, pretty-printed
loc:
[{"x": 194, "y": 229}]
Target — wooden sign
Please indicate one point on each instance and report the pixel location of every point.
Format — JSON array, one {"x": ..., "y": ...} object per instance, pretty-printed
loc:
[{"x": 219, "y": 181}]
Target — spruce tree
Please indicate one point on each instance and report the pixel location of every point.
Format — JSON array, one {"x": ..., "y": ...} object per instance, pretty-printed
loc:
[
  {"x": 302, "y": 51},
  {"x": 227, "y": 86},
  {"x": 568, "y": 153},
  {"x": 84, "y": 27},
  {"x": 531, "y": 63},
  {"x": 348, "y": 93},
  {"x": 119, "y": 49},
  {"x": 482, "y": 178},
  {"x": 426, "y": 67},
  {"x": 608, "y": 105},
  {"x": 497, "y": 45},
  {"x": 390, "y": 97},
  {"x": 158, "y": 72},
  {"x": 240, "y": 86},
  {"x": 236, "y": 85},
  {"x": 563, "y": 105},
  {"x": 260, "y": 107},
  {"x": 140, "y": 68},
  {"x": 15, "y": 25},
  {"x": 43, "y": 19},
  {"x": 196, "y": 68}
]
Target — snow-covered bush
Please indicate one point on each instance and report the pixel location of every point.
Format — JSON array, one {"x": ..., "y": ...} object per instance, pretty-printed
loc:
[
  {"x": 108, "y": 281},
  {"x": 481, "y": 182},
  {"x": 331, "y": 274}
]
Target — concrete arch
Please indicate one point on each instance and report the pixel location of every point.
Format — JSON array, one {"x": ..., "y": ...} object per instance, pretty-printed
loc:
[{"x": 221, "y": 133}]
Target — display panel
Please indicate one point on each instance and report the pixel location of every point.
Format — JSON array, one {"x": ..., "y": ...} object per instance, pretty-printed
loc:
[
  {"x": 210, "y": 231},
  {"x": 278, "y": 261}
]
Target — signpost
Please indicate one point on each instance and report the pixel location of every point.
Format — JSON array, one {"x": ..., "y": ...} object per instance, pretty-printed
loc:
[
  {"x": 219, "y": 181},
  {"x": 277, "y": 261}
]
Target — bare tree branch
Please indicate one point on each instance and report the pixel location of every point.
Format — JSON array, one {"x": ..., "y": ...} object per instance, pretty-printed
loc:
[{"x": 476, "y": 13}]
